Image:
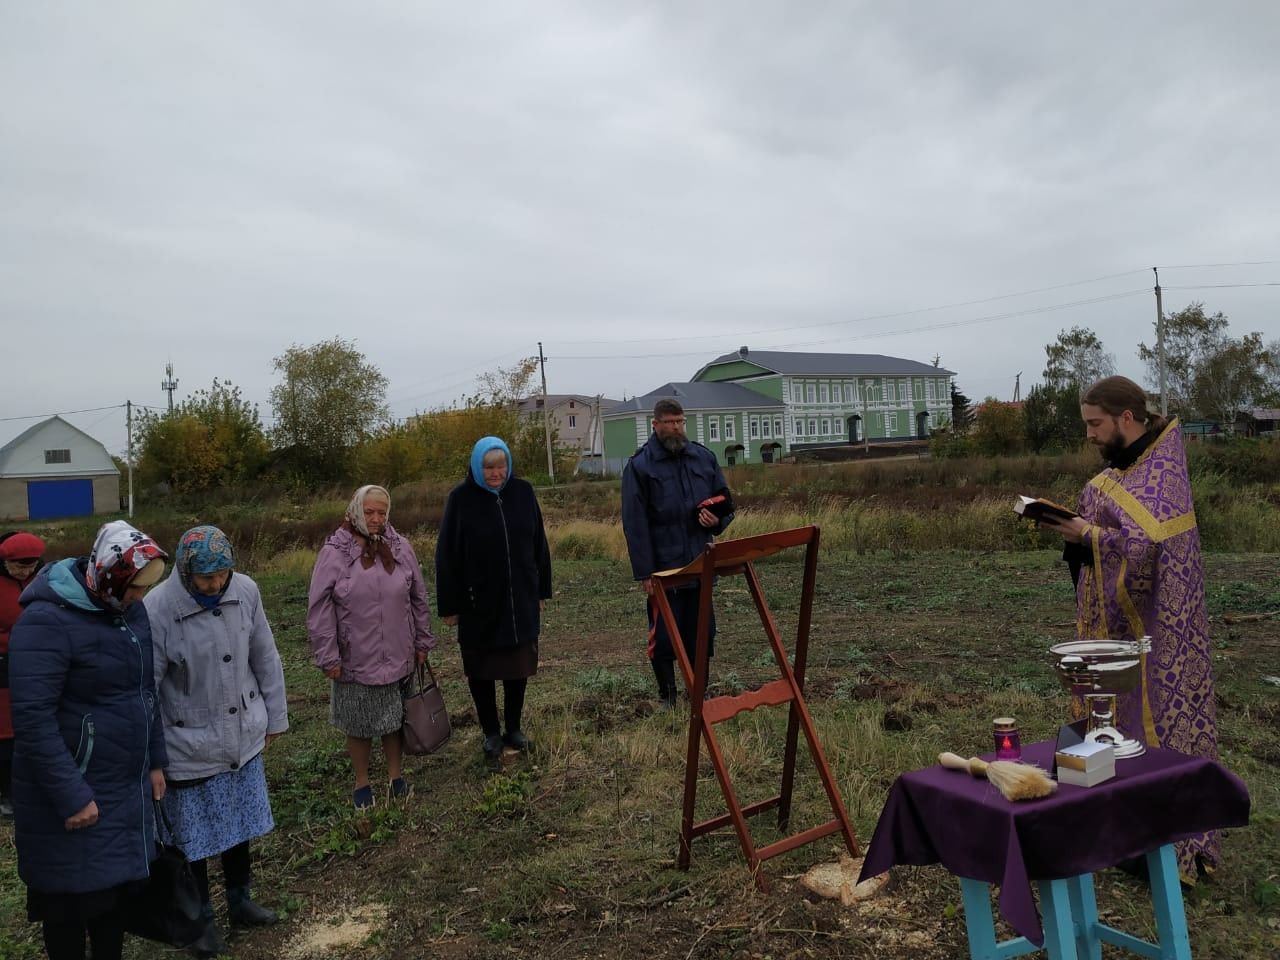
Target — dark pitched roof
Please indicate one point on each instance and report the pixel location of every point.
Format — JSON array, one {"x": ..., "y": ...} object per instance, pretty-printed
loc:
[
  {"x": 699, "y": 396},
  {"x": 830, "y": 364}
]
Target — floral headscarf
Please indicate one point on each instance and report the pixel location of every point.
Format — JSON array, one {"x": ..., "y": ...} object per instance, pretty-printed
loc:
[
  {"x": 202, "y": 550},
  {"x": 372, "y": 549},
  {"x": 122, "y": 556}
]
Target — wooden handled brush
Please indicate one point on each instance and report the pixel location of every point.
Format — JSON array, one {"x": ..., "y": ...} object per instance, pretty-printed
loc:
[{"x": 1014, "y": 780}]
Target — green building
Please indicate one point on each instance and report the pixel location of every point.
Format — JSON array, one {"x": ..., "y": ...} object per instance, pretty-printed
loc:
[{"x": 758, "y": 406}]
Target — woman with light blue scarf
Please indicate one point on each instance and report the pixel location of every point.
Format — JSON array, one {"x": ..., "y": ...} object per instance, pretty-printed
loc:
[
  {"x": 493, "y": 575},
  {"x": 222, "y": 699}
]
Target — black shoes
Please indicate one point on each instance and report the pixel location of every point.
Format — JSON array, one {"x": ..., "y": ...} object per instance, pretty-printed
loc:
[
  {"x": 493, "y": 752},
  {"x": 210, "y": 943},
  {"x": 245, "y": 912},
  {"x": 516, "y": 740},
  {"x": 665, "y": 673}
]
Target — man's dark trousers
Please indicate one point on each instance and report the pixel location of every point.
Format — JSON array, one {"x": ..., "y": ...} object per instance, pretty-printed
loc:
[{"x": 684, "y": 606}]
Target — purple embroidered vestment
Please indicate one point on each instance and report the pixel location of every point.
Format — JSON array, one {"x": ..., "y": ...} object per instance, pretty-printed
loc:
[{"x": 1147, "y": 579}]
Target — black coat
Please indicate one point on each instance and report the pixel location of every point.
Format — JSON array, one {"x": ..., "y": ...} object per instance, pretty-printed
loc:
[
  {"x": 660, "y": 496},
  {"x": 493, "y": 565}
]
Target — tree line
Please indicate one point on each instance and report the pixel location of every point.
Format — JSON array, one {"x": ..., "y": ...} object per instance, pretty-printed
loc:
[
  {"x": 1209, "y": 375},
  {"x": 331, "y": 426}
]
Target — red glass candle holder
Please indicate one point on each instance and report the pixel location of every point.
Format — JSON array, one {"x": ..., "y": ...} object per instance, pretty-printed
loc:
[{"x": 1007, "y": 738}]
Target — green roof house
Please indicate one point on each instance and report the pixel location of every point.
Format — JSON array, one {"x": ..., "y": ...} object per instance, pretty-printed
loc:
[{"x": 801, "y": 400}]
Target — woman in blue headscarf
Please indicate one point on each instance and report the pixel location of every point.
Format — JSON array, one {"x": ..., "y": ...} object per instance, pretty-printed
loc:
[
  {"x": 222, "y": 699},
  {"x": 493, "y": 575}
]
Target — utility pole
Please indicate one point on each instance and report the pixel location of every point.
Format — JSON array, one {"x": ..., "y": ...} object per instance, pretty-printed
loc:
[
  {"x": 169, "y": 384},
  {"x": 546, "y": 414},
  {"x": 128, "y": 426},
  {"x": 1164, "y": 396},
  {"x": 1017, "y": 386},
  {"x": 596, "y": 425},
  {"x": 866, "y": 423}
]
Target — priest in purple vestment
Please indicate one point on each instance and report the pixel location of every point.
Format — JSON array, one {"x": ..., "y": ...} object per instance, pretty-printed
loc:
[{"x": 1134, "y": 552}]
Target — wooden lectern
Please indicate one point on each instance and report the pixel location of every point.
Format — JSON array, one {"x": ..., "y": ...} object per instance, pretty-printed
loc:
[{"x": 731, "y": 558}]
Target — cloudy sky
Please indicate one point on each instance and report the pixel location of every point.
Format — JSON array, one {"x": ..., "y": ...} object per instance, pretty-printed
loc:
[{"x": 640, "y": 186}]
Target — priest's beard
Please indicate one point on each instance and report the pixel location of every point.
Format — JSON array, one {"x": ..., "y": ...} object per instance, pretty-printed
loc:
[{"x": 1113, "y": 449}]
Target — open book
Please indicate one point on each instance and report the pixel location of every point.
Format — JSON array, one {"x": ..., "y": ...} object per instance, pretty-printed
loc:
[{"x": 1038, "y": 508}]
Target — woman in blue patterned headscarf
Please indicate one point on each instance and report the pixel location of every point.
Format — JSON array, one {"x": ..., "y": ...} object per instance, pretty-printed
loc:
[
  {"x": 204, "y": 563},
  {"x": 222, "y": 697}
]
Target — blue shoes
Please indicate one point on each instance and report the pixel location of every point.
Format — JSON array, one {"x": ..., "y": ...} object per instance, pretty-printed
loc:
[{"x": 363, "y": 798}]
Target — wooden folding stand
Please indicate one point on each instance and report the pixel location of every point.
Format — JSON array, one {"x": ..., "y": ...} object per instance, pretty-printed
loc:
[{"x": 730, "y": 558}]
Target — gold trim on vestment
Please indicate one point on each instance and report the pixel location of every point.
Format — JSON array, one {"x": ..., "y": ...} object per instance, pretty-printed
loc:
[
  {"x": 1098, "y": 591},
  {"x": 1156, "y": 530},
  {"x": 1131, "y": 614}
]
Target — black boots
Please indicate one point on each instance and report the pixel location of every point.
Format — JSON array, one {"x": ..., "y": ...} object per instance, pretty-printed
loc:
[
  {"x": 210, "y": 943},
  {"x": 665, "y": 672},
  {"x": 516, "y": 740},
  {"x": 245, "y": 912},
  {"x": 492, "y": 747}
]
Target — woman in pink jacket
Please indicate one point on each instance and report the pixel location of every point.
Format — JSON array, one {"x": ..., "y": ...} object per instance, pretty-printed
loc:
[{"x": 369, "y": 625}]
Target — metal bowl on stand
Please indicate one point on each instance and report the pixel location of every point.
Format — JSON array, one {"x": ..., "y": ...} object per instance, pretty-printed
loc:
[{"x": 1099, "y": 670}]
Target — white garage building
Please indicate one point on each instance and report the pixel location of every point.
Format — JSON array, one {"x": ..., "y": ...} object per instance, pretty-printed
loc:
[{"x": 54, "y": 469}]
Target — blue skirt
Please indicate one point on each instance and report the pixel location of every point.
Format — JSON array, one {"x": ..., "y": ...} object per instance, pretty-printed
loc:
[{"x": 220, "y": 813}]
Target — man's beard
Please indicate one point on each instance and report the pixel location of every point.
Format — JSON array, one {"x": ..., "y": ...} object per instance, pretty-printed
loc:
[
  {"x": 1113, "y": 448},
  {"x": 674, "y": 443}
]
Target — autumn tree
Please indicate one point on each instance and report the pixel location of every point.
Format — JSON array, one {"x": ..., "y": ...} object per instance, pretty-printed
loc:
[
  {"x": 394, "y": 455},
  {"x": 1051, "y": 418},
  {"x": 1231, "y": 377},
  {"x": 1190, "y": 336},
  {"x": 213, "y": 439},
  {"x": 998, "y": 428},
  {"x": 329, "y": 401},
  {"x": 1076, "y": 359}
]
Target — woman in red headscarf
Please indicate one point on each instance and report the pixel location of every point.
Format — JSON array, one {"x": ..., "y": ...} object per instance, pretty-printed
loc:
[{"x": 20, "y": 555}]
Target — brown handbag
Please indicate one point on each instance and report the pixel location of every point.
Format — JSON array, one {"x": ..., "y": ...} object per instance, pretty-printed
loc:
[{"x": 426, "y": 721}]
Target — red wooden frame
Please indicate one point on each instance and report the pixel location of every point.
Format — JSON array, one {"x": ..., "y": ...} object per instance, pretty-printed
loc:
[{"x": 731, "y": 558}]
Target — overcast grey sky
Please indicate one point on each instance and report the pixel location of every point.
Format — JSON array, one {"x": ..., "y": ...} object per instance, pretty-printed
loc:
[{"x": 649, "y": 183}]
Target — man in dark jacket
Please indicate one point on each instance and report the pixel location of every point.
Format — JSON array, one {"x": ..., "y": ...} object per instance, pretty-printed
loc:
[{"x": 666, "y": 490}]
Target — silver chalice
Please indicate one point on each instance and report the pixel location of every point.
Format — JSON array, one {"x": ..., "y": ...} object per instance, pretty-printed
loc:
[{"x": 1099, "y": 670}]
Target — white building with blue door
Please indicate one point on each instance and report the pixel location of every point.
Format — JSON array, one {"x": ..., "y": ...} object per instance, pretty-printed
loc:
[{"x": 55, "y": 469}]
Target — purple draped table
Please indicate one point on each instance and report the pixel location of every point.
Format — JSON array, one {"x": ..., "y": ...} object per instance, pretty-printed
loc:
[{"x": 943, "y": 816}]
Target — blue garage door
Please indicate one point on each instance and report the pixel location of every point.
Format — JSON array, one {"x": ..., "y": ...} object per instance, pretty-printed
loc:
[{"x": 59, "y": 498}]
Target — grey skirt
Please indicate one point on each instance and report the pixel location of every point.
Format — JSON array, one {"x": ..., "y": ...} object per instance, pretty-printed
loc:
[{"x": 362, "y": 711}]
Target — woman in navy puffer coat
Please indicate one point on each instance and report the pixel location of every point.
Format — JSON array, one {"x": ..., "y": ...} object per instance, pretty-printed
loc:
[{"x": 89, "y": 748}]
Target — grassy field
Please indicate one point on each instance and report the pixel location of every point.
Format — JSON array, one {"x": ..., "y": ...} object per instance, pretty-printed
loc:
[{"x": 570, "y": 853}]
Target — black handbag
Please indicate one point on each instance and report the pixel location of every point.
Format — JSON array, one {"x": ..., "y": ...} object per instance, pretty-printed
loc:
[
  {"x": 169, "y": 908},
  {"x": 426, "y": 721}
]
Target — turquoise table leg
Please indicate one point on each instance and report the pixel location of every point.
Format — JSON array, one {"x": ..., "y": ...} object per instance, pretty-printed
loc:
[
  {"x": 1166, "y": 898},
  {"x": 1084, "y": 908},
  {"x": 1055, "y": 913},
  {"x": 977, "y": 919},
  {"x": 981, "y": 927}
]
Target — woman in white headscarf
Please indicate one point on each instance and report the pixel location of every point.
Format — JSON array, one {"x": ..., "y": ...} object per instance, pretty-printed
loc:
[{"x": 369, "y": 626}]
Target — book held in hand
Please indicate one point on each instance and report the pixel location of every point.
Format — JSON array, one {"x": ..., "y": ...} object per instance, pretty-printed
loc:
[{"x": 1038, "y": 508}]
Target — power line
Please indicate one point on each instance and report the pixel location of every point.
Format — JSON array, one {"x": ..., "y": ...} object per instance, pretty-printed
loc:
[
  {"x": 1242, "y": 263},
  {"x": 878, "y": 316},
  {"x": 1227, "y": 286},
  {"x": 975, "y": 320},
  {"x": 476, "y": 372},
  {"x": 886, "y": 333},
  {"x": 62, "y": 413}
]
